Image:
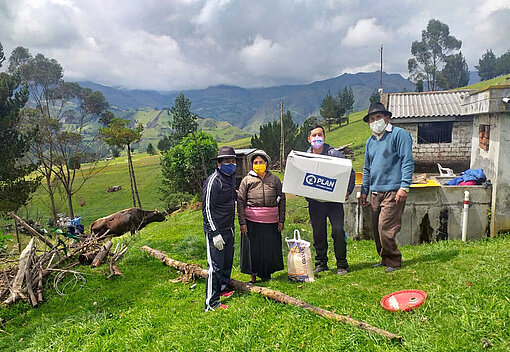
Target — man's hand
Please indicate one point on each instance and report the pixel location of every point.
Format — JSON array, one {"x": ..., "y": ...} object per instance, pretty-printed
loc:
[
  {"x": 363, "y": 200},
  {"x": 244, "y": 229},
  {"x": 218, "y": 242},
  {"x": 280, "y": 226},
  {"x": 401, "y": 196}
]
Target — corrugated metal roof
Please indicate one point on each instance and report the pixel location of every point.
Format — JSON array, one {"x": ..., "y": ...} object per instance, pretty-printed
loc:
[{"x": 425, "y": 104}]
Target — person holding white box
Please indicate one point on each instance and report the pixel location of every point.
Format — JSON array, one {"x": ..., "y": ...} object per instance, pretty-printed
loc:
[{"x": 320, "y": 211}]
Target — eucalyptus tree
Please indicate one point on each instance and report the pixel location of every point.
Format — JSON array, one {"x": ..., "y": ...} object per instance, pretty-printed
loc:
[{"x": 430, "y": 54}]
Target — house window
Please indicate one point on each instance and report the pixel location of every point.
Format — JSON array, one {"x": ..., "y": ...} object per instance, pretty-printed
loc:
[
  {"x": 435, "y": 132},
  {"x": 484, "y": 136}
]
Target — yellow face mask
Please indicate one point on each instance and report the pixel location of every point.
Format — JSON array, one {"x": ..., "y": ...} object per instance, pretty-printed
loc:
[{"x": 259, "y": 169}]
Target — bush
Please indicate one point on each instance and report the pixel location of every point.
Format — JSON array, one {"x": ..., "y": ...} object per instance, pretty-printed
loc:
[{"x": 182, "y": 165}]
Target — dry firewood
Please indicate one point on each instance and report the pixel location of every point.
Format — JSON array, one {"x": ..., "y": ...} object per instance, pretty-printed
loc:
[
  {"x": 278, "y": 296},
  {"x": 28, "y": 282},
  {"x": 103, "y": 252},
  {"x": 31, "y": 230},
  {"x": 40, "y": 286},
  {"x": 18, "y": 280},
  {"x": 114, "y": 269}
]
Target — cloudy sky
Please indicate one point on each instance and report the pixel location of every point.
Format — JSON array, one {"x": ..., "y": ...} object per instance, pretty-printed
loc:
[{"x": 182, "y": 44}]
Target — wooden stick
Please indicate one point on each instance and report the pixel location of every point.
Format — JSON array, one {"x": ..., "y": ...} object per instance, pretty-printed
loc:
[
  {"x": 28, "y": 282},
  {"x": 197, "y": 271},
  {"x": 31, "y": 229},
  {"x": 40, "y": 287},
  {"x": 101, "y": 254}
]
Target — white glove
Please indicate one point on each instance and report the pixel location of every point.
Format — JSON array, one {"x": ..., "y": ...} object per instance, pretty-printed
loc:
[{"x": 218, "y": 242}]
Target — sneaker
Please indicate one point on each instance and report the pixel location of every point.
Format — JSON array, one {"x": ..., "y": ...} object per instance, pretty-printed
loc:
[
  {"x": 226, "y": 293},
  {"x": 377, "y": 265},
  {"x": 392, "y": 268},
  {"x": 341, "y": 271},
  {"x": 320, "y": 268},
  {"x": 222, "y": 306}
]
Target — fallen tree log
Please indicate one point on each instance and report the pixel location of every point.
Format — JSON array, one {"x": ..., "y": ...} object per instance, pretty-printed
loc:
[{"x": 195, "y": 271}]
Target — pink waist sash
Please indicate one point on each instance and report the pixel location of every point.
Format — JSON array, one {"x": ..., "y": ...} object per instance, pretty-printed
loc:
[{"x": 265, "y": 215}]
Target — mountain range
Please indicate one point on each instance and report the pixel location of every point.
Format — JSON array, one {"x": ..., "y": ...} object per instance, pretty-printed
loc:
[{"x": 248, "y": 108}]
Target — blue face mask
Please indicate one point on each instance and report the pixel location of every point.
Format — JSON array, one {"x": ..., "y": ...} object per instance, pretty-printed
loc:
[{"x": 228, "y": 169}]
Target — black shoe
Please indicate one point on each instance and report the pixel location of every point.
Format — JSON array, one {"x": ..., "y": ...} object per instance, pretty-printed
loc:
[
  {"x": 392, "y": 268},
  {"x": 320, "y": 268},
  {"x": 377, "y": 265}
]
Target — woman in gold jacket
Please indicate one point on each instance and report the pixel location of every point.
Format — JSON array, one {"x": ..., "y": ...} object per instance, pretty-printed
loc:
[{"x": 261, "y": 214}]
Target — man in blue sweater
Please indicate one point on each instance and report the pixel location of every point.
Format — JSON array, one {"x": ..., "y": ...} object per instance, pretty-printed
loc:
[
  {"x": 320, "y": 211},
  {"x": 387, "y": 175}
]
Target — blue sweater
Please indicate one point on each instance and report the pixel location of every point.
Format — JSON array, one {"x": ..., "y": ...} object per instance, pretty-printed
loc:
[{"x": 389, "y": 163}]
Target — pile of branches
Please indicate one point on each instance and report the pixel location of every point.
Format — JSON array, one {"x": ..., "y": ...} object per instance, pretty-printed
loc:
[{"x": 41, "y": 257}]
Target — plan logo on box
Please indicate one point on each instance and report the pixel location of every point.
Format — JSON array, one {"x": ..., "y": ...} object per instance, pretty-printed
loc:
[{"x": 320, "y": 182}]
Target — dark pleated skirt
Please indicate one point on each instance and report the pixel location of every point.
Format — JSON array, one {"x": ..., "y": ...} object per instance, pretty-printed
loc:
[{"x": 261, "y": 250}]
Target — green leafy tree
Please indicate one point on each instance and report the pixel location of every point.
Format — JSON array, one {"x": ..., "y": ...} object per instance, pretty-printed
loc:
[
  {"x": 374, "y": 97},
  {"x": 455, "y": 72},
  {"x": 304, "y": 131},
  {"x": 165, "y": 144},
  {"x": 419, "y": 85},
  {"x": 150, "y": 149},
  {"x": 487, "y": 66},
  {"x": 15, "y": 187},
  {"x": 181, "y": 165},
  {"x": 55, "y": 147},
  {"x": 42, "y": 76},
  {"x": 269, "y": 137},
  {"x": 185, "y": 122},
  {"x": 430, "y": 53},
  {"x": 329, "y": 110},
  {"x": 120, "y": 135},
  {"x": 503, "y": 64},
  {"x": 345, "y": 101}
]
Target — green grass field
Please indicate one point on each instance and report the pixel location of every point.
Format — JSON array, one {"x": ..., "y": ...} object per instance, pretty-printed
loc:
[
  {"x": 468, "y": 301},
  {"x": 505, "y": 79},
  {"x": 99, "y": 202}
]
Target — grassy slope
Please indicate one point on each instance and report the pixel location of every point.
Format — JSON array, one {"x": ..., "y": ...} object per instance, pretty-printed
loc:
[
  {"x": 467, "y": 287},
  {"x": 505, "y": 79},
  {"x": 99, "y": 202}
]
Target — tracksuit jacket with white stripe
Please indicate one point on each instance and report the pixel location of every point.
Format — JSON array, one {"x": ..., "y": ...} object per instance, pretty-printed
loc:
[
  {"x": 218, "y": 209},
  {"x": 218, "y": 202}
]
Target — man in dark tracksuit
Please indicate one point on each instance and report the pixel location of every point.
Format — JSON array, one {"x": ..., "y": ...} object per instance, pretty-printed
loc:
[
  {"x": 218, "y": 209},
  {"x": 320, "y": 211}
]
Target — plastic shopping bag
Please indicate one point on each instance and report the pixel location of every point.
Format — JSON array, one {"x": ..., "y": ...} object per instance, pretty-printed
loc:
[{"x": 299, "y": 261}]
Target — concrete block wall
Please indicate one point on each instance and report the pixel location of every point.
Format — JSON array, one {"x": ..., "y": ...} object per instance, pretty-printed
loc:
[
  {"x": 431, "y": 213},
  {"x": 454, "y": 155}
]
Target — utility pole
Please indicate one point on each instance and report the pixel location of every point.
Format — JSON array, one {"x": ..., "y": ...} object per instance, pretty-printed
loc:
[
  {"x": 380, "y": 82},
  {"x": 282, "y": 143}
]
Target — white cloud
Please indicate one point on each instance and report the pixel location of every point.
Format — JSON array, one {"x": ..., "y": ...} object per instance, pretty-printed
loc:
[
  {"x": 365, "y": 33},
  {"x": 181, "y": 44},
  {"x": 262, "y": 55}
]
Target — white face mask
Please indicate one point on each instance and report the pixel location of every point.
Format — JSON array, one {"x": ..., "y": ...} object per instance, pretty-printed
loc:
[{"x": 378, "y": 126}]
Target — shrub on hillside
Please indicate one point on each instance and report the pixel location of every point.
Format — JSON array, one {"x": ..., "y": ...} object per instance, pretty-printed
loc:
[{"x": 182, "y": 165}]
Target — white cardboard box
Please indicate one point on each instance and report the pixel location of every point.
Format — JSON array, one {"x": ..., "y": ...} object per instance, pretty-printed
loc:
[{"x": 321, "y": 177}]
